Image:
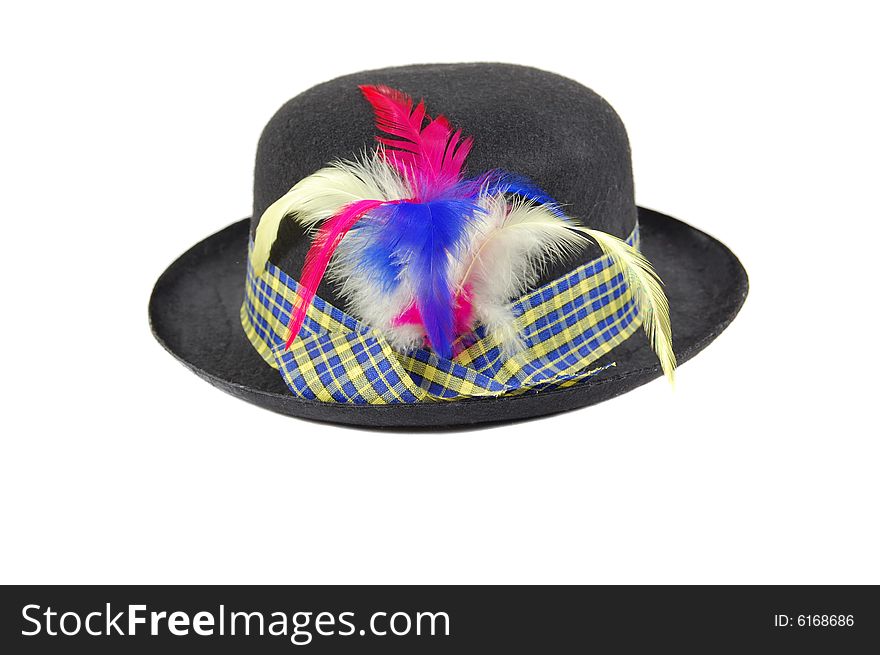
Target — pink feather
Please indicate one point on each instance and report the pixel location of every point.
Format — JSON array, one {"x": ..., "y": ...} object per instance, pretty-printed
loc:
[
  {"x": 464, "y": 313},
  {"x": 318, "y": 257},
  {"x": 409, "y": 316},
  {"x": 430, "y": 157},
  {"x": 464, "y": 310}
]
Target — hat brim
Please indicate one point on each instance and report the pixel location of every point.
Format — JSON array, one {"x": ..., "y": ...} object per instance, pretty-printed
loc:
[{"x": 194, "y": 314}]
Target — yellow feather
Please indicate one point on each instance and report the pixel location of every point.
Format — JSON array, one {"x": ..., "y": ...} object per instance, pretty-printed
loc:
[
  {"x": 323, "y": 193},
  {"x": 267, "y": 229},
  {"x": 648, "y": 289}
]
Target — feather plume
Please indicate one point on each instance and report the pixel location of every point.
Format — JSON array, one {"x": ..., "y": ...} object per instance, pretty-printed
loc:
[
  {"x": 318, "y": 256},
  {"x": 322, "y": 194},
  {"x": 430, "y": 157},
  {"x": 419, "y": 252},
  {"x": 651, "y": 301},
  {"x": 513, "y": 244}
]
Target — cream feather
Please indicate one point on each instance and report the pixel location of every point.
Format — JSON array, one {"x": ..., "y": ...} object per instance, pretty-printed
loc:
[
  {"x": 369, "y": 300},
  {"x": 648, "y": 289},
  {"x": 323, "y": 193},
  {"x": 513, "y": 243}
]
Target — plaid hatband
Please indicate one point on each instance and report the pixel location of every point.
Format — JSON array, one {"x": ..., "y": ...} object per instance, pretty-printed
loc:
[{"x": 565, "y": 326}]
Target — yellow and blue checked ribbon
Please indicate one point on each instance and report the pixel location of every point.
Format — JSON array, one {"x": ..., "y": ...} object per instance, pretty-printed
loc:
[{"x": 566, "y": 325}]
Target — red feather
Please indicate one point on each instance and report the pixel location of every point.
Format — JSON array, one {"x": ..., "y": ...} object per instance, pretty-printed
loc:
[
  {"x": 430, "y": 157},
  {"x": 318, "y": 257}
]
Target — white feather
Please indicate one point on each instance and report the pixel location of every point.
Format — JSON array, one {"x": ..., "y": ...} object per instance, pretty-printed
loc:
[
  {"x": 512, "y": 245},
  {"x": 500, "y": 323},
  {"x": 368, "y": 299}
]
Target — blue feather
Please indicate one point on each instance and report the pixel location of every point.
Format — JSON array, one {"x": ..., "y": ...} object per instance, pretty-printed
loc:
[
  {"x": 498, "y": 181},
  {"x": 376, "y": 262},
  {"x": 422, "y": 236}
]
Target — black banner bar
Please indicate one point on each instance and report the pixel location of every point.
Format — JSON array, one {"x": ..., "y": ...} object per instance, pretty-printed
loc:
[{"x": 276, "y": 619}]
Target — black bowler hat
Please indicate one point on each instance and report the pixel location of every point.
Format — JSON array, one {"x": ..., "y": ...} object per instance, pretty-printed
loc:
[{"x": 440, "y": 245}]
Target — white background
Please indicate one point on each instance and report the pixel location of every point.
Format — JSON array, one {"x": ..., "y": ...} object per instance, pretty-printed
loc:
[{"x": 128, "y": 135}]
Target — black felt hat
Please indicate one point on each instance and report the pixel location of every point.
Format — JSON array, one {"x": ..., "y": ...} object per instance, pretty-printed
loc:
[{"x": 545, "y": 128}]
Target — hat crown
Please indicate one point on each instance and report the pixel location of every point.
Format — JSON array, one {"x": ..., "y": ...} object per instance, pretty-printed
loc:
[{"x": 541, "y": 125}]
